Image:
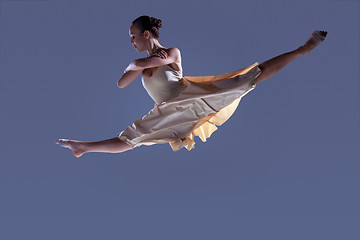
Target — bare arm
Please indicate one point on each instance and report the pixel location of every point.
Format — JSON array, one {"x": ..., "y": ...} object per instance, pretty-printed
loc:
[
  {"x": 173, "y": 55},
  {"x": 128, "y": 77},
  {"x": 136, "y": 67}
]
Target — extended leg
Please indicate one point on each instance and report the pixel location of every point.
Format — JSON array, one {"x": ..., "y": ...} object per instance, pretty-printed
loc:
[
  {"x": 270, "y": 67},
  {"x": 113, "y": 145}
]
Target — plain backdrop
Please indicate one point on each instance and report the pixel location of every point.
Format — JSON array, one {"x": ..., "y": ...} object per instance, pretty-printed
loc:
[{"x": 284, "y": 166}]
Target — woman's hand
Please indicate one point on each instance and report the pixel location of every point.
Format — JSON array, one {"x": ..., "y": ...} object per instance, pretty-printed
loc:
[
  {"x": 162, "y": 54},
  {"x": 132, "y": 66}
]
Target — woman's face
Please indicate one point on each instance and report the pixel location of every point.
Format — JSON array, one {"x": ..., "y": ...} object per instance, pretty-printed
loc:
[{"x": 137, "y": 38}]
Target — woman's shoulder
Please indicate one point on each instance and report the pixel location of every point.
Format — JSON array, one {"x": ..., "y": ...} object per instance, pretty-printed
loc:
[
  {"x": 173, "y": 50},
  {"x": 176, "y": 65}
]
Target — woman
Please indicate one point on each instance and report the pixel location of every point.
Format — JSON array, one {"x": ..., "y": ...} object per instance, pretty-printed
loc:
[{"x": 184, "y": 106}]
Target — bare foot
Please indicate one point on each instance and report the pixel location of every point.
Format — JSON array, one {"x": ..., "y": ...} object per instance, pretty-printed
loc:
[
  {"x": 315, "y": 39},
  {"x": 77, "y": 147}
]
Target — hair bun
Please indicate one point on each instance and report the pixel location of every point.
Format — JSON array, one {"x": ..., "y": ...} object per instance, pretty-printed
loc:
[
  {"x": 156, "y": 22},
  {"x": 148, "y": 23}
]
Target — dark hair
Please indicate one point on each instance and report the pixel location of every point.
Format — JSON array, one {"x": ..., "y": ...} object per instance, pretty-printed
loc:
[{"x": 149, "y": 23}]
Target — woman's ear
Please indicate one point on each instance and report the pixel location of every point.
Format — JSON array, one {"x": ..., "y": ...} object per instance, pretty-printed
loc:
[{"x": 147, "y": 34}]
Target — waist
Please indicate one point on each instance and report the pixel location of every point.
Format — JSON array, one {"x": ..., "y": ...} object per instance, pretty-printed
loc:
[{"x": 164, "y": 93}]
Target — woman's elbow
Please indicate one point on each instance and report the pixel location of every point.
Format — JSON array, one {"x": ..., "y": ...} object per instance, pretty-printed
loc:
[{"x": 121, "y": 85}]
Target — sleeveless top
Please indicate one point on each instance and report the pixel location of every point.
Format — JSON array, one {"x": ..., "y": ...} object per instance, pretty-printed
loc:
[{"x": 165, "y": 84}]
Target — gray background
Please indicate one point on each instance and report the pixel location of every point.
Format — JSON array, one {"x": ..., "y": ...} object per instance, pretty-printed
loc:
[{"x": 285, "y": 166}]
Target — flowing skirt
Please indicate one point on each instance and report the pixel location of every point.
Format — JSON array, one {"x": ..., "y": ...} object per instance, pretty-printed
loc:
[{"x": 207, "y": 101}]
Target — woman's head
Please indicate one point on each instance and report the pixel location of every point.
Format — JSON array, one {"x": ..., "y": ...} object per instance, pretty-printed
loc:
[
  {"x": 151, "y": 24},
  {"x": 144, "y": 29}
]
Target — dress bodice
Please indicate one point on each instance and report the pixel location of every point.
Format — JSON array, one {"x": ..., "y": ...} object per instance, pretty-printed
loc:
[{"x": 164, "y": 84}]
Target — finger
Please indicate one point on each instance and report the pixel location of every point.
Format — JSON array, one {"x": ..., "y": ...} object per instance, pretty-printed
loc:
[{"x": 164, "y": 54}]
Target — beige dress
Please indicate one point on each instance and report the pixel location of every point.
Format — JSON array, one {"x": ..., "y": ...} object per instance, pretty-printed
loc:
[{"x": 186, "y": 107}]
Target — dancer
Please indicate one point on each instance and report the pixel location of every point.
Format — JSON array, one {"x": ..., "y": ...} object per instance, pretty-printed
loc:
[{"x": 185, "y": 107}]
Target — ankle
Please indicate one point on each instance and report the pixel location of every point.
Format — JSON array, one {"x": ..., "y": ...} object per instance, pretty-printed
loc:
[{"x": 85, "y": 146}]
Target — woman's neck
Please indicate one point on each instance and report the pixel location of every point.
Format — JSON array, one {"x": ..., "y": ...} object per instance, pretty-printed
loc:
[{"x": 154, "y": 46}]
